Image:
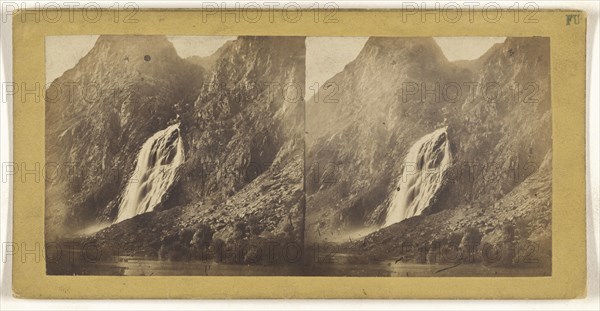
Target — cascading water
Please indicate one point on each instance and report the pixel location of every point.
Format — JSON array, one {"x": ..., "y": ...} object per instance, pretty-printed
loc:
[
  {"x": 154, "y": 173},
  {"x": 422, "y": 176}
]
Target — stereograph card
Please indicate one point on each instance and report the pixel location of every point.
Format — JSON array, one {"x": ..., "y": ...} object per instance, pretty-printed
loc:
[{"x": 299, "y": 154}]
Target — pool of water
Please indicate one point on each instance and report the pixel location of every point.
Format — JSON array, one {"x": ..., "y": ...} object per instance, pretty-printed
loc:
[{"x": 340, "y": 266}]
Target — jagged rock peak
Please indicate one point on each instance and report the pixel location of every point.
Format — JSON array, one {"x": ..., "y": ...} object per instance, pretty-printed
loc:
[
  {"x": 146, "y": 53},
  {"x": 142, "y": 44},
  {"x": 256, "y": 52},
  {"x": 419, "y": 48}
]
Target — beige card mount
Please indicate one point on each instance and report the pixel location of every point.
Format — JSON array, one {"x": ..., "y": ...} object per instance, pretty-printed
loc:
[{"x": 299, "y": 154}]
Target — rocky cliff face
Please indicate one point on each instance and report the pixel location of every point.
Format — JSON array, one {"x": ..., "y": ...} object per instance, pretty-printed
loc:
[
  {"x": 116, "y": 97},
  {"x": 244, "y": 138},
  {"x": 245, "y": 119},
  {"x": 362, "y": 124},
  {"x": 208, "y": 62},
  {"x": 241, "y": 124},
  {"x": 503, "y": 133},
  {"x": 399, "y": 89}
]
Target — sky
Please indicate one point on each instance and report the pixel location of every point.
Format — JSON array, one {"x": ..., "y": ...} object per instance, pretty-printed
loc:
[
  {"x": 454, "y": 47},
  {"x": 326, "y": 56},
  {"x": 63, "y": 53},
  {"x": 198, "y": 45}
]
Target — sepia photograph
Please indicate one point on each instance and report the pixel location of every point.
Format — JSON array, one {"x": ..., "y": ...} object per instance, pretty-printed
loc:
[
  {"x": 186, "y": 155},
  {"x": 432, "y": 157},
  {"x": 298, "y": 156}
]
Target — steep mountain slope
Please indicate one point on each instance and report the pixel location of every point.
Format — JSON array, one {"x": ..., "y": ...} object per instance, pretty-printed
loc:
[
  {"x": 207, "y": 62},
  {"x": 392, "y": 95},
  {"x": 514, "y": 231},
  {"x": 362, "y": 124},
  {"x": 96, "y": 126},
  {"x": 504, "y": 131},
  {"x": 244, "y": 121},
  {"x": 243, "y": 152}
]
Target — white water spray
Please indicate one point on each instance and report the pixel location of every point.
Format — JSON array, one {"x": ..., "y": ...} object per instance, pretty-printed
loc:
[
  {"x": 422, "y": 176},
  {"x": 154, "y": 173}
]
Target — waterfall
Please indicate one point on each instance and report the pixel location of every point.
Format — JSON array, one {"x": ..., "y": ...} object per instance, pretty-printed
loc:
[
  {"x": 154, "y": 173},
  {"x": 422, "y": 176}
]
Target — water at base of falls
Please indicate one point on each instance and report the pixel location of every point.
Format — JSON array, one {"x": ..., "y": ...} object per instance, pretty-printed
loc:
[
  {"x": 154, "y": 173},
  {"x": 422, "y": 176}
]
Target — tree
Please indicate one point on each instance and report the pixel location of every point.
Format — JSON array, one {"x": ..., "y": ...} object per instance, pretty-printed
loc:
[{"x": 202, "y": 237}]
